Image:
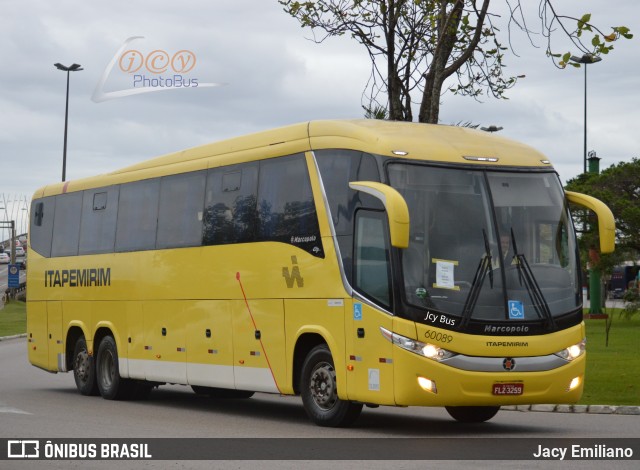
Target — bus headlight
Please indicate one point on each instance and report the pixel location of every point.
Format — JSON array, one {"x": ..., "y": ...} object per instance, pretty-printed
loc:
[
  {"x": 573, "y": 352},
  {"x": 428, "y": 350}
]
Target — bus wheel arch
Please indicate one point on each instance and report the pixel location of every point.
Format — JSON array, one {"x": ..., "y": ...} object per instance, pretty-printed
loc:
[
  {"x": 305, "y": 343},
  {"x": 318, "y": 388},
  {"x": 73, "y": 334},
  {"x": 99, "y": 335}
]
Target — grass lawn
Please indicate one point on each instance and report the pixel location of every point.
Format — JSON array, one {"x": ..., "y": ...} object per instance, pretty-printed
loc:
[
  {"x": 613, "y": 372},
  {"x": 13, "y": 319}
]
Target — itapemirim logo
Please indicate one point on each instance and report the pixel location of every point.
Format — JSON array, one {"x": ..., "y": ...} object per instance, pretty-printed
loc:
[{"x": 158, "y": 70}]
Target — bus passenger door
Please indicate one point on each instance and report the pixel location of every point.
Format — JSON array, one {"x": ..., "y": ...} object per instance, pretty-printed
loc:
[{"x": 369, "y": 354}]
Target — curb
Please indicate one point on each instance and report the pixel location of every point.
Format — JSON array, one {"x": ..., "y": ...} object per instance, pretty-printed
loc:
[
  {"x": 23, "y": 335},
  {"x": 592, "y": 409}
]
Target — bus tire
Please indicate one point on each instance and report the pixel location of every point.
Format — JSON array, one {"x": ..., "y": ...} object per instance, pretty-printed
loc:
[
  {"x": 222, "y": 393},
  {"x": 84, "y": 369},
  {"x": 110, "y": 384},
  {"x": 472, "y": 414},
  {"x": 319, "y": 391}
]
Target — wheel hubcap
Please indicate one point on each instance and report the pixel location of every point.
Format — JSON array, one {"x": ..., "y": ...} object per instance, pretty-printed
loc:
[
  {"x": 82, "y": 366},
  {"x": 323, "y": 386}
]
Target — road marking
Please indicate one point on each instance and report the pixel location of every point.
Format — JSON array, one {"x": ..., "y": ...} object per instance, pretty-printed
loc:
[{"x": 9, "y": 409}]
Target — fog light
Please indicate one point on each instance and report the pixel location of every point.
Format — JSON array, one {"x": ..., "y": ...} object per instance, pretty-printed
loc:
[
  {"x": 574, "y": 384},
  {"x": 428, "y": 385}
]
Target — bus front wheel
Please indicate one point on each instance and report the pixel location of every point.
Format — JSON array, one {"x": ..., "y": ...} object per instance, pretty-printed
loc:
[
  {"x": 319, "y": 391},
  {"x": 84, "y": 370},
  {"x": 472, "y": 414}
]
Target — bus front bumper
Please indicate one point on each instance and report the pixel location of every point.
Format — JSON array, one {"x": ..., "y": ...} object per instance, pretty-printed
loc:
[{"x": 423, "y": 382}]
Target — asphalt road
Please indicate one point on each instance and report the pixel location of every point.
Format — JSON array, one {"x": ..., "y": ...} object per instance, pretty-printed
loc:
[{"x": 36, "y": 404}]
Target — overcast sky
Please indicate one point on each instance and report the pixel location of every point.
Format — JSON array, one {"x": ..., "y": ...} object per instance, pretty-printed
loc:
[{"x": 273, "y": 76}]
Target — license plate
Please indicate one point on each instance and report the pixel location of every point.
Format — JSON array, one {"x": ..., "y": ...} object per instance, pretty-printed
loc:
[{"x": 508, "y": 389}]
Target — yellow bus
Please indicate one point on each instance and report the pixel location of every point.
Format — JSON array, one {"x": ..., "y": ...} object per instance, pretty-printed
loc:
[{"x": 352, "y": 263}]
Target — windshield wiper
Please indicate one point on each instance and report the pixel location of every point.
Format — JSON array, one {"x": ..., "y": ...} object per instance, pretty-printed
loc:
[
  {"x": 526, "y": 274},
  {"x": 487, "y": 254},
  {"x": 484, "y": 267}
]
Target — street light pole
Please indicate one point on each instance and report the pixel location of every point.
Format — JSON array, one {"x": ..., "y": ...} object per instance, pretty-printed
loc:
[
  {"x": 71, "y": 68},
  {"x": 6, "y": 215},
  {"x": 594, "y": 273},
  {"x": 585, "y": 59}
]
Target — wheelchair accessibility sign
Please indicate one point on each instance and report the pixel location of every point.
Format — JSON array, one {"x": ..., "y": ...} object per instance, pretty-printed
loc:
[
  {"x": 516, "y": 310},
  {"x": 357, "y": 311}
]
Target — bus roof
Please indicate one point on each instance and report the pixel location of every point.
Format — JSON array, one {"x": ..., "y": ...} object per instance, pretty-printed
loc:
[
  {"x": 428, "y": 142},
  {"x": 425, "y": 142}
]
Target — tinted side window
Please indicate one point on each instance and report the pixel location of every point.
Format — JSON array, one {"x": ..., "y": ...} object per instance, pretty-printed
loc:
[
  {"x": 337, "y": 169},
  {"x": 286, "y": 209},
  {"x": 230, "y": 205},
  {"x": 66, "y": 227},
  {"x": 41, "y": 230},
  {"x": 99, "y": 216},
  {"x": 138, "y": 215},
  {"x": 181, "y": 208}
]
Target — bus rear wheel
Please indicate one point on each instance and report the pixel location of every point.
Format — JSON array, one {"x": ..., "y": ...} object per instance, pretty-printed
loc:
[
  {"x": 110, "y": 384},
  {"x": 472, "y": 414},
  {"x": 84, "y": 370},
  {"x": 319, "y": 391}
]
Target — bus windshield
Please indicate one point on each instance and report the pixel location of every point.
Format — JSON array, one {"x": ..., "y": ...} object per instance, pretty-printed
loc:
[{"x": 487, "y": 245}]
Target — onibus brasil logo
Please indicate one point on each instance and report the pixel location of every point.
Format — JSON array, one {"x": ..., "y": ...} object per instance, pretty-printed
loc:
[{"x": 157, "y": 70}]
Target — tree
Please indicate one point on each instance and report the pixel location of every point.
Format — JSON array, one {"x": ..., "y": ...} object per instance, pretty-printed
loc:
[
  {"x": 415, "y": 46},
  {"x": 619, "y": 188}
]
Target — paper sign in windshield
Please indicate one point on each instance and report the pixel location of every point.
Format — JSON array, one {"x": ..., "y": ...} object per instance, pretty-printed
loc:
[{"x": 445, "y": 278}]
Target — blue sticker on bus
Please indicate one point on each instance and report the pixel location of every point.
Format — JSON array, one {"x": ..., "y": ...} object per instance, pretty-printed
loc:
[
  {"x": 516, "y": 310},
  {"x": 357, "y": 311}
]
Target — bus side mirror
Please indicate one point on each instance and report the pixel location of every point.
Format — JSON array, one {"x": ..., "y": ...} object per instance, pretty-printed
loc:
[
  {"x": 396, "y": 207},
  {"x": 606, "y": 222}
]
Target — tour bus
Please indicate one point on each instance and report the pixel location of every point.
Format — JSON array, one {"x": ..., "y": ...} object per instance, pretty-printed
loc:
[{"x": 355, "y": 262}]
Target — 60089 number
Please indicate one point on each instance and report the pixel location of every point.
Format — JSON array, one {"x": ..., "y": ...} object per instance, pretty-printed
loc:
[{"x": 438, "y": 336}]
